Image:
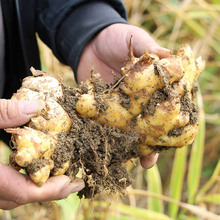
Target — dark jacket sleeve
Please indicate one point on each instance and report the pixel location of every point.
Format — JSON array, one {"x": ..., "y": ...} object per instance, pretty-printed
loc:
[{"x": 67, "y": 26}]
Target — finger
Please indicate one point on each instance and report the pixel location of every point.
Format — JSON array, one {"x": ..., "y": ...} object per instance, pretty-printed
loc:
[
  {"x": 19, "y": 189},
  {"x": 142, "y": 40},
  {"x": 7, "y": 205},
  {"x": 149, "y": 161},
  {"x": 14, "y": 167},
  {"x": 161, "y": 51},
  {"x": 56, "y": 188},
  {"x": 15, "y": 113}
]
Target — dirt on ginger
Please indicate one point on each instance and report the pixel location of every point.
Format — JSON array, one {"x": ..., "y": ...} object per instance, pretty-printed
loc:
[{"x": 95, "y": 128}]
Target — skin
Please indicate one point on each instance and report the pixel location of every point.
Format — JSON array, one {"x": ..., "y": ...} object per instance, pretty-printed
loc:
[
  {"x": 108, "y": 52},
  {"x": 15, "y": 188}
]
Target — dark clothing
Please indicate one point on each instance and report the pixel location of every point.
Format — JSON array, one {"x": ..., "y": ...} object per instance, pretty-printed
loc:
[{"x": 66, "y": 26}]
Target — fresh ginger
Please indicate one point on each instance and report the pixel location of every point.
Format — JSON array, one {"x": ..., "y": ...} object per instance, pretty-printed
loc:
[
  {"x": 153, "y": 99},
  {"x": 141, "y": 78},
  {"x": 39, "y": 138}
]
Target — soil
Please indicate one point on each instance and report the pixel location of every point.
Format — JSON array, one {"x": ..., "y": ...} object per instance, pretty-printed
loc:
[
  {"x": 189, "y": 107},
  {"x": 89, "y": 144},
  {"x": 125, "y": 100},
  {"x": 36, "y": 165},
  {"x": 157, "y": 98},
  {"x": 176, "y": 132}
]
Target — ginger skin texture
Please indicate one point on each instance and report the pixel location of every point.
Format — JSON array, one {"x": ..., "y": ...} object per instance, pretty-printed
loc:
[
  {"x": 153, "y": 99},
  {"x": 143, "y": 80}
]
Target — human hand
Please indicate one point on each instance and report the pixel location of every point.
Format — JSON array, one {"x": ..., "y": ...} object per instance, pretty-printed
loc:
[
  {"x": 108, "y": 51},
  {"x": 15, "y": 188}
]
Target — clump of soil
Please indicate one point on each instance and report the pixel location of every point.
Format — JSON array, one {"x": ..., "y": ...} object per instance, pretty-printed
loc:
[
  {"x": 176, "y": 132},
  {"x": 89, "y": 144},
  {"x": 36, "y": 165},
  {"x": 157, "y": 98},
  {"x": 188, "y": 106}
]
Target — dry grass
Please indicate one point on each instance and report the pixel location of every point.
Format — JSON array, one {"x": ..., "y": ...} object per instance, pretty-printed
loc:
[{"x": 186, "y": 183}]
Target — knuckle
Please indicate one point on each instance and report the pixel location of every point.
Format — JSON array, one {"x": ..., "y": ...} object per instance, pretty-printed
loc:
[
  {"x": 8, "y": 205},
  {"x": 57, "y": 194},
  {"x": 61, "y": 193},
  {"x": 61, "y": 196},
  {"x": 19, "y": 198},
  {"x": 9, "y": 109},
  {"x": 9, "y": 112}
]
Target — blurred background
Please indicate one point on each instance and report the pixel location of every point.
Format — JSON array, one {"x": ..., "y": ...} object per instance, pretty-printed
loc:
[{"x": 185, "y": 183}]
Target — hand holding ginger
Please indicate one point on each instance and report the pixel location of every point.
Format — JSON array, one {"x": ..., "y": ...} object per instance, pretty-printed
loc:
[
  {"x": 15, "y": 188},
  {"x": 147, "y": 110},
  {"x": 108, "y": 52}
]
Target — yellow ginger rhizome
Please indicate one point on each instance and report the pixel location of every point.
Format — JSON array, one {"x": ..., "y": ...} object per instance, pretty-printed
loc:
[{"x": 95, "y": 127}]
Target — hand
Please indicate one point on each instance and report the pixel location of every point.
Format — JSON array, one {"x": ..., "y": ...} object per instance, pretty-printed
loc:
[
  {"x": 15, "y": 188},
  {"x": 108, "y": 51}
]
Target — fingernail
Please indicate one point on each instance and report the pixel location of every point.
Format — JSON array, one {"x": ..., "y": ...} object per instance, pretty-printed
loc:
[
  {"x": 31, "y": 107},
  {"x": 75, "y": 186}
]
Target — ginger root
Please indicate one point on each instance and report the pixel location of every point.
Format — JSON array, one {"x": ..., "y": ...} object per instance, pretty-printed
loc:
[{"x": 152, "y": 102}]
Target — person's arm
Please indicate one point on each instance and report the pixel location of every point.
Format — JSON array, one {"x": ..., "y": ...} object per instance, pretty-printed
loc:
[
  {"x": 67, "y": 27},
  {"x": 15, "y": 188}
]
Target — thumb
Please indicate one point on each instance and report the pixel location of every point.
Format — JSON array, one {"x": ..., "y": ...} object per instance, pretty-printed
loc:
[
  {"x": 142, "y": 40},
  {"x": 17, "y": 189},
  {"x": 15, "y": 113}
]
